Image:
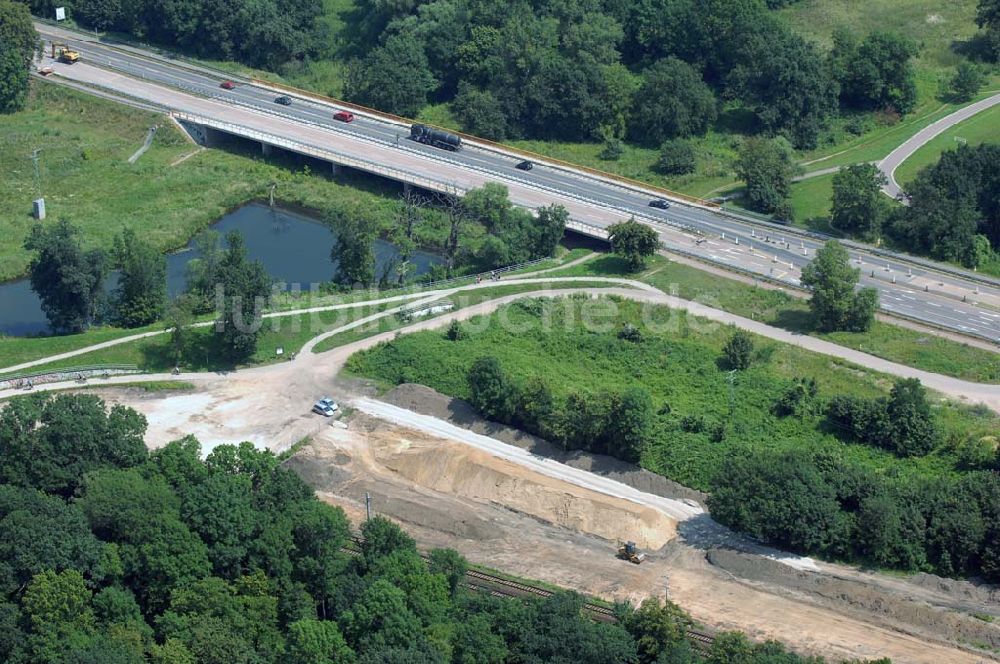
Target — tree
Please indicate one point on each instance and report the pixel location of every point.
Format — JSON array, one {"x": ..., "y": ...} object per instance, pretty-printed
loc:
[
  {"x": 245, "y": 288},
  {"x": 966, "y": 82},
  {"x": 766, "y": 167},
  {"x": 913, "y": 431},
  {"x": 67, "y": 279},
  {"x": 51, "y": 442},
  {"x": 395, "y": 77},
  {"x": 203, "y": 273},
  {"x": 549, "y": 227},
  {"x": 480, "y": 112},
  {"x": 354, "y": 252},
  {"x": 380, "y": 537},
  {"x": 450, "y": 564},
  {"x": 780, "y": 498},
  {"x": 40, "y": 532},
  {"x": 627, "y": 432},
  {"x": 177, "y": 320},
  {"x": 738, "y": 351},
  {"x": 634, "y": 242},
  {"x": 58, "y": 609},
  {"x": 99, "y": 14},
  {"x": 490, "y": 390},
  {"x": 672, "y": 102},
  {"x": 316, "y": 642},
  {"x": 988, "y": 18},
  {"x": 677, "y": 157},
  {"x": 19, "y": 44},
  {"x": 785, "y": 81},
  {"x": 876, "y": 73},
  {"x": 859, "y": 207},
  {"x": 141, "y": 294},
  {"x": 656, "y": 627},
  {"x": 834, "y": 303}
]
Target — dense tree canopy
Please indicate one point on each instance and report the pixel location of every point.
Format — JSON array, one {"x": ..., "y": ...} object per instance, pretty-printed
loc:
[
  {"x": 261, "y": 33},
  {"x": 67, "y": 278},
  {"x": 19, "y": 43},
  {"x": 876, "y": 72},
  {"x": 141, "y": 295},
  {"x": 634, "y": 242},
  {"x": 859, "y": 207},
  {"x": 766, "y": 167},
  {"x": 672, "y": 102},
  {"x": 954, "y": 211},
  {"x": 243, "y": 289}
]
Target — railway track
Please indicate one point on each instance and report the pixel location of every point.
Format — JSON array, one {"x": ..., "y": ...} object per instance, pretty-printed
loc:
[{"x": 499, "y": 586}]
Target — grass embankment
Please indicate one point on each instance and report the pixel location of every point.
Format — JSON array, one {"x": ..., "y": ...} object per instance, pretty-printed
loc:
[
  {"x": 458, "y": 301},
  {"x": 86, "y": 177},
  {"x": 678, "y": 363},
  {"x": 774, "y": 307}
]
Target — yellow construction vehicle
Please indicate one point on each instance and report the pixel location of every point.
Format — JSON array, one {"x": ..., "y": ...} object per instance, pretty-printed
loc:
[
  {"x": 627, "y": 551},
  {"x": 64, "y": 53}
]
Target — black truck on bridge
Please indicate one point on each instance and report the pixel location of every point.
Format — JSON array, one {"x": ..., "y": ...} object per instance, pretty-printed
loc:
[{"x": 439, "y": 139}]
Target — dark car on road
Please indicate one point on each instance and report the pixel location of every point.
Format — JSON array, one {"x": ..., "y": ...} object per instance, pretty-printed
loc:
[
  {"x": 659, "y": 203},
  {"x": 525, "y": 166},
  {"x": 227, "y": 85},
  {"x": 284, "y": 100}
]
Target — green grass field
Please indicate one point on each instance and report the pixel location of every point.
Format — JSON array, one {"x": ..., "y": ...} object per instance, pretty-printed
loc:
[
  {"x": 981, "y": 128},
  {"x": 202, "y": 353},
  {"x": 677, "y": 362},
  {"x": 891, "y": 342},
  {"x": 459, "y": 301}
]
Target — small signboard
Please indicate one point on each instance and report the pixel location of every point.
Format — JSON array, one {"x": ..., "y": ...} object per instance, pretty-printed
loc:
[
  {"x": 60, "y": 13},
  {"x": 280, "y": 350}
]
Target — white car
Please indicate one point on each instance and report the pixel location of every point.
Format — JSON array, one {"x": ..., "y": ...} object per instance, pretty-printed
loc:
[{"x": 325, "y": 407}]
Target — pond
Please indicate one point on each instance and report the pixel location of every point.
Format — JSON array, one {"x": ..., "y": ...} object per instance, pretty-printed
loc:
[{"x": 294, "y": 248}]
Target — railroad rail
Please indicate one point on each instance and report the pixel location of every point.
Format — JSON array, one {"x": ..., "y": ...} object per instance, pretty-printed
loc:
[{"x": 499, "y": 586}]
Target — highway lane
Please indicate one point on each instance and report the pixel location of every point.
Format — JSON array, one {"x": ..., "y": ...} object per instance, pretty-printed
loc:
[{"x": 768, "y": 250}]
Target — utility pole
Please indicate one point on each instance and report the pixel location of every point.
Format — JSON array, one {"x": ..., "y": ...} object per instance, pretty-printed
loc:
[
  {"x": 38, "y": 176},
  {"x": 731, "y": 379},
  {"x": 368, "y": 506}
]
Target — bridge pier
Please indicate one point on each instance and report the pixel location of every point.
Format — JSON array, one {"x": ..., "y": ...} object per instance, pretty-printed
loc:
[
  {"x": 406, "y": 187},
  {"x": 265, "y": 148},
  {"x": 335, "y": 168}
]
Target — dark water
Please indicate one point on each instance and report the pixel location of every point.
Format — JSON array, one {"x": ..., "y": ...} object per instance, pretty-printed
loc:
[{"x": 294, "y": 248}]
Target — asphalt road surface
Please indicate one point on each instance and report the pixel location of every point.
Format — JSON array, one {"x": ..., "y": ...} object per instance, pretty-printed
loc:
[
  {"x": 913, "y": 288},
  {"x": 917, "y": 141}
]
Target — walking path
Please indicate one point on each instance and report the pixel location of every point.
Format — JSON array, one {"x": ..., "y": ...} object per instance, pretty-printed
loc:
[
  {"x": 956, "y": 388},
  {"x": 892, "y": 161}
]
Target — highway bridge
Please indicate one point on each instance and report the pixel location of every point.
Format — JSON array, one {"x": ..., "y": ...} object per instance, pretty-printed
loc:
[{"x": 912, "y": 288}]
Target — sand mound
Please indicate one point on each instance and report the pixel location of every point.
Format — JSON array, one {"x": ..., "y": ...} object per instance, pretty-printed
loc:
[{"x": 474, "y": 475}]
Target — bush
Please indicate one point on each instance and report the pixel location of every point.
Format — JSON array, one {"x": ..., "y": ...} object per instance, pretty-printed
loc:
[
  {"x": 677, "y": 157},
  {"x": 455, "y": 332}
]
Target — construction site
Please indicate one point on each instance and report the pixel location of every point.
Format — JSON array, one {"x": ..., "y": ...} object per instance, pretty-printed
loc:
[{"x": 511, "y": 502}]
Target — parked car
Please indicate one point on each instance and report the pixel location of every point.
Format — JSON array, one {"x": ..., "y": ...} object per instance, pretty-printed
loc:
[
  {"x": 525, "y": 166},
  {"x": 284, "y": 100},
  {"x": 659, "y": 203},
  {"x": 344, "y": 116},
  {"x": 325, "y": 407},
  {"x": 228, "y": 85}
]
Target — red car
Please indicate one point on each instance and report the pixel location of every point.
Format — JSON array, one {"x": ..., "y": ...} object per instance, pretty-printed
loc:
[
  {"x": 343, "y": 116},
  {"x": 228, "y": 85}
]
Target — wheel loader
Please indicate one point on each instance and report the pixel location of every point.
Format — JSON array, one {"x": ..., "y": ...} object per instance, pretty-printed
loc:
[{"x": 627, "y": 551}]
